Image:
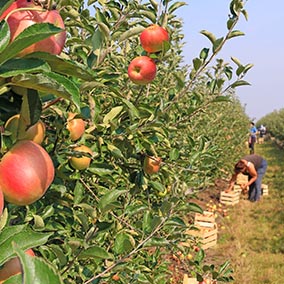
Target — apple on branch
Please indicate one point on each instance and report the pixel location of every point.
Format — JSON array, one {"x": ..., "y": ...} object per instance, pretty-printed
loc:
[
  {"x": 75, "y": 126},
  {"x": 151, "y": 165},
  {"x": 153, "y": 38},
  {"x": 20, "y": 20},
  {"x": 26, "y": 172},
  {"x": 81, "y": 163},
  {"x": 1, "y": 202},
  {"x": 12, "y": 267},
  {"x": 142, "y": 70}
]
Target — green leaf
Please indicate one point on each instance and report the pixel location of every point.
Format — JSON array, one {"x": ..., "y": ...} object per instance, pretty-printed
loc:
[
  {"x": 221, "y": 99},
  {"x": 230, "y": 23},
  {"x": 29, "y": 36},
  {"x": 193, "y": 207},
  {"x": 64, "y": 66},
  {"x": 96, "y": 40},
  {"x": 197, "y": 63},
  {"x": 115, "y": 151},
  {"x": 95, "y": 252},
  {"x": 123, "y": 243},
  {"x": 217, "y": 44},
  {"x": 50, "y": 83},
  {"x": 114, "y": 112},
  {"x": 236, "y": 61},
  {"x": 17, "y": 66},
  {"x": 133, "y": 110},
  {"x": 36, "y": 270},
  {"x": 23, "y": 237},
  {"x": 157, "y": 185},
  {"x": 109, "y": 198},
  {"x": 209, "y": 35},
  {"x": 235, "y": 34},
  {"x": 130, "y": 33},
  {"x": 174, "y": 154},
  {"x": 240, "y": 83},
  {"x": 4, "y": 35},
  {"x": 176, "y": 6},
  {"x": 204, "y": 53},
  {"x": 4, "y": 4},
  {"x": 104, "y": 29},
  {"x": 30, "y": 112}
]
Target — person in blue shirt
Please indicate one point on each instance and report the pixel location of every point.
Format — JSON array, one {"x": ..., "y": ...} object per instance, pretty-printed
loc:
[{"x": 252, "y": 137}]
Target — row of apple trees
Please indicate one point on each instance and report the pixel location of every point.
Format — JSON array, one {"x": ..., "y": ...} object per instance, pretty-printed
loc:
[
  {"x": 274, "y": 124},
  {"x": 113, "y": 223}
]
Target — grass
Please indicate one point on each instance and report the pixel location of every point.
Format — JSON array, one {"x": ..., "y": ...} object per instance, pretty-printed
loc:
[{"x": 253, "y": 238}]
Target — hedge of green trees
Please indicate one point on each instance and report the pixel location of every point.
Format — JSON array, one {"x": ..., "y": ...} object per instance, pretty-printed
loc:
[{"x": 113, "y": 218}]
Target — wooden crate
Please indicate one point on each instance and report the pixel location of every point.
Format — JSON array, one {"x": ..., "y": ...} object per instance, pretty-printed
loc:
[
  {"x": 207, "y": 236},
  {"x": 241, "y": 179},
  {"x": 229, "y": 198},
  {"x": 187, "y": 280},
  {"x": 264, "y": 189},
  {"x": 207, "y": 219},
  {"x": 237, "y": 188}
]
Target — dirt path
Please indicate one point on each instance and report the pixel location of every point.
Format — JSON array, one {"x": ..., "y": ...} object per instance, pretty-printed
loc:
[{"x": 252, "y": 237}]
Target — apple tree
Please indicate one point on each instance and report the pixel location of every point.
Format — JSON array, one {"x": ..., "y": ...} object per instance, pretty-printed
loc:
[{"x": 112, "y": 222}]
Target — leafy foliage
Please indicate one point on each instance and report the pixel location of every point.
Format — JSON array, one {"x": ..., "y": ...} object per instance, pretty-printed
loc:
[{"x": 113, "y": 218}]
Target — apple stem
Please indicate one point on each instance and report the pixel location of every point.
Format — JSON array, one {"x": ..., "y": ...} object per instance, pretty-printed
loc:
[{"x": 24, "y": 9}]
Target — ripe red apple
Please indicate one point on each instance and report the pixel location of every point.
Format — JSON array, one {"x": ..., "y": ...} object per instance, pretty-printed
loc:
[
  {"x": 13, "y": 267},
  {"x": 35, "y": 133},
  {"x": 20, "y": 20},
  {"x": 142, "y": 70},
  {"x": 81, "y": 163},
  {"x": 26, "y": 172},
  {"x": 153, "y": 38},
  {"x": 1, "y": 202},
  {"x": 151, "y": 165},
  {"x": 76, "y": 126}
]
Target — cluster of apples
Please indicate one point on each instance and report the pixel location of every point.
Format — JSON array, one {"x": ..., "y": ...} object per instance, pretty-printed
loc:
[
  {"x": 26, "y": 170},
  {"x": 142, "y": 69},
  {"x": 24, "y": 13},
  {"x": 76, "y": 128}
]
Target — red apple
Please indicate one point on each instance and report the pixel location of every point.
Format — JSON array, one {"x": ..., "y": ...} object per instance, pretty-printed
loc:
[
  {"x": 20, "y": 20},
  {"x": 76, "y": 126},
  {"x": 1, "y": 202},
  {"x": 26, "y": 172},
  {"x": 35, "y": 133},
  {"x": 153, "y": 38},
  {"x": 12, "y": 267},
  {"x": 142, "y": 70},
  {"x": 81, "y": 163},
  {"x": 151, "y": 165}
]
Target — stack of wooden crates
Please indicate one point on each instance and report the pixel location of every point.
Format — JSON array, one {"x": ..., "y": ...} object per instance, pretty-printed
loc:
[
  {"x": 207, "y": 229},
  {"x": 233, "y": 197}
]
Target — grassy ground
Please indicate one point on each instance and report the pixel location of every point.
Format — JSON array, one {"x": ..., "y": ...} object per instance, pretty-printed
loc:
[{"x": 252, "y": 237}]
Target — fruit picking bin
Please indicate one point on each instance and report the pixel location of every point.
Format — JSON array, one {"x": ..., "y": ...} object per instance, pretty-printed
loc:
[
  {"x": 206, "y": 235},
  {"x": 207, "y": 219},
  {"x": 229, "y": 198},
  {"x": 241, "y": 179},
  {"x": 264, "y": 189}
]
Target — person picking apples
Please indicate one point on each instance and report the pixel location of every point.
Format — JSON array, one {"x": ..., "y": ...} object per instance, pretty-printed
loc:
[{"x": 254, "y": 166}]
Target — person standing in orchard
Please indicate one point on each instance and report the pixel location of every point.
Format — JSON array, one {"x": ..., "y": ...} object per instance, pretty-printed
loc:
[
  {"x": 254, "y": 166},
  {"x": 252, "y": 137}
]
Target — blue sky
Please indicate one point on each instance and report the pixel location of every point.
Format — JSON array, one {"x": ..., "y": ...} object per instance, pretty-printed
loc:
[{"x": 262, "y": 45}]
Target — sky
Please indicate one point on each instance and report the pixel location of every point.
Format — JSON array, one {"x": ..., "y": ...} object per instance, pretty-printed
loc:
[{"x": 262, "y": 45}]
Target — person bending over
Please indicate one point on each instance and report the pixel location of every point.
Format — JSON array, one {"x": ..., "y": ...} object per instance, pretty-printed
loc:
[{"x": 254, "y": 166}]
